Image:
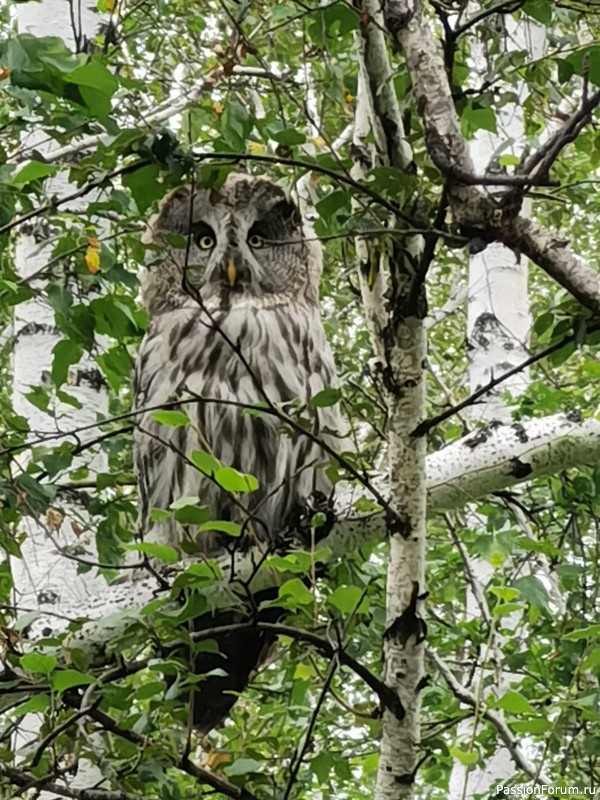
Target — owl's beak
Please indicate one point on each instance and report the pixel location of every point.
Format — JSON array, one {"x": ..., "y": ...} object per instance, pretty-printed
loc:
[{"x": 231, "y": 273}]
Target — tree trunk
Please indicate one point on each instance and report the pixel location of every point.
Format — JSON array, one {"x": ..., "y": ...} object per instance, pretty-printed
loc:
[
  {"x": 498, "y": 329},
  {"x": 394, "y": 308},
  {"x": 45, "y": 579}
]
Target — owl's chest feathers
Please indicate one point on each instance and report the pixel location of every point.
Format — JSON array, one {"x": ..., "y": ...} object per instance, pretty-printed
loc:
[{"x": 242, "y": 351}]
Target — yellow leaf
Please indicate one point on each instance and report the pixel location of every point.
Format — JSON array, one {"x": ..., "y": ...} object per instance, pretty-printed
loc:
[
  {"x": 348, "y": 96},
  {"x": 316, "y": 140},
  {"x": 111, "y": 5},
  {"x": 256, "y": 148},
  {"x": 92, "y": 259},
  {"x": 217, "y": 108},
  {"x": 4, "y": 73},
  {"x": 215, "y": 759}
]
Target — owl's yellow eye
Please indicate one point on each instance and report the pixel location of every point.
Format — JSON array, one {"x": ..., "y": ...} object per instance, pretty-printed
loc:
[
  {"x": 256, "y": 241},
  {"x": 206, "y": 242}
]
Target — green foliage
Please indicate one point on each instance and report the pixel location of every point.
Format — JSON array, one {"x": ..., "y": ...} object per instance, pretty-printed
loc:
[{"x": 141, "y": 59}]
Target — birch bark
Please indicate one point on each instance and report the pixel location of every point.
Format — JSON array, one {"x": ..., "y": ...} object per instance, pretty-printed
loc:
[
  {"x": 394, "y": 308},
  {"x": 498, "y": 329},
  {"x": 44, "y": 578}
]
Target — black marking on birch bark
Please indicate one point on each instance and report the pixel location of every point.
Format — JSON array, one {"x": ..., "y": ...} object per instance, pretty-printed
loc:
[
  {"x": 408, "y": 778},
  {"x": 424, "y": 682},
  {"x": 519, "y": 469},
  {"x": 481, "y": 436},
  {"x": 360, "y": 155},
  {"x": 520, "y": 432},
  {"x": 31, "y": 328},
  {"x": 392, "y": 702},
  {"x": 397, "y": 524},
  {"x": 574, "y": 415},
  {"x": 485, "y": 324},
  {"x": 48, "y": 596},
  {"x": 409, "y": 623},
  {"x": 93, "y": 377},
  {"x": 388, "y": 380},
  {"x": 397, "y": 17}
]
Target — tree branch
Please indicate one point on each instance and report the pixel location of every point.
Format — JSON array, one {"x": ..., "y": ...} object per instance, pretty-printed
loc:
[
  {"x": 24, "y": 780},
  {"x": 448, "y": 150},
  {"x": 541, "y": 161},
  {"x": 510, "y": 740},
  {"x": 554, "y": 256}
]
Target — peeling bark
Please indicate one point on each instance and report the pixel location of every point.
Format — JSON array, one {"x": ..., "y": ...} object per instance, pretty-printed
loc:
[
  {"x": 395, "y": 309},
  {"x": 480, "y": 216}
]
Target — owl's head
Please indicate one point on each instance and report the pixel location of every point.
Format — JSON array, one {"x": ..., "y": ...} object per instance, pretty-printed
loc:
[{"x": 246, "y": 238}]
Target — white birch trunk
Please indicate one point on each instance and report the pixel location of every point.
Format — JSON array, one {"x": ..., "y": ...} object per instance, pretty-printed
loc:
[
  {"x": 498, "y": 329},
  {"x": 398, "y": 340},
  {"x": 44, "y": 579}
]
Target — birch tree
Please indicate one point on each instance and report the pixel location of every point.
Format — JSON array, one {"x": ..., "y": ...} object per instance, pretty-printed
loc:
[
  {"x": 348, "y": 706},
  {"x": 499, "y": 331}
]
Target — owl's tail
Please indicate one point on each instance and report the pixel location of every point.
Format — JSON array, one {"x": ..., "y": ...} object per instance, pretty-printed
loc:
[{"x": 241, "y": 654}]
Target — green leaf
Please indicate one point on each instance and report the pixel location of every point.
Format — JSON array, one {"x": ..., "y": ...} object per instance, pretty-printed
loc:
[
  {"x": 39, "y": 397},
  {"x": 324, "y": 398},
  {"x": 144, "y": 185},
  {"x": 32, "y": 172},
  {"x": 60, "y": 300},
  {"x": 295, "y": 592},
  {"x": 222, "y": 526},
  {"x": 294, "y": 562},
  {"x": 540, "y": 10},
  {"x": 590, "y": 632},
  {"x": 192, "y": 513},
  {"x": 112, "y": 317},
  {"x": 182, "y": 502},
  {"x": 466, "y": 757},
  {"x": 206, "y": 463},
  {"x": 505, "y": 593},
  {"x": 35, "y": 705},
  {"x": 474, "y": 119},
  {"x": 321, "y": 766},
  {"x": 38, "y": 495},
  {"x": 515, "y": 703},
  {"x": 289, "y": 136},
  {"x": 67, "y": 678},
  {"x": 236, "y": 124},
  {"x": 503, "y": 609},
  {"x": 233, "y": 481},
  {"x": 65, "y": 353},
  {"x": 533, "y": 591},
  {"x": 95, "y": 75},
  {"x": 173, "y": 419},
  {"x": 535, "y": 726},
  {"x": 38, "y": 663},
  {"x": 592, "y": 659},
  {"x": 345, "y": 598},
  {"x": 242, "y": 766},
  {"x": 161, "y": 551}
]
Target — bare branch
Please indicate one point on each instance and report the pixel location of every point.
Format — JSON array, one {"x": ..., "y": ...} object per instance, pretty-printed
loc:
[
  {"x": 554, "y": 256},
  {"x": 24, "y": 780},
  {"x": 542, "y": 160},
  {"x": 469, "y": 699}
]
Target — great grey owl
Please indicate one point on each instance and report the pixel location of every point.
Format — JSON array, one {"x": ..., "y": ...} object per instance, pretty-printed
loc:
[{"x": 234, "y": 320}]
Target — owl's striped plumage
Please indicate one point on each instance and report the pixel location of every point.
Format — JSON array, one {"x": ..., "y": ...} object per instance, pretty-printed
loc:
[{"x": 233, "y": 318}]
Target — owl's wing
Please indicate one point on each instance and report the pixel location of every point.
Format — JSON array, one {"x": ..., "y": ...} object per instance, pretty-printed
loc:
[{"x": 152, "y": 385}]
